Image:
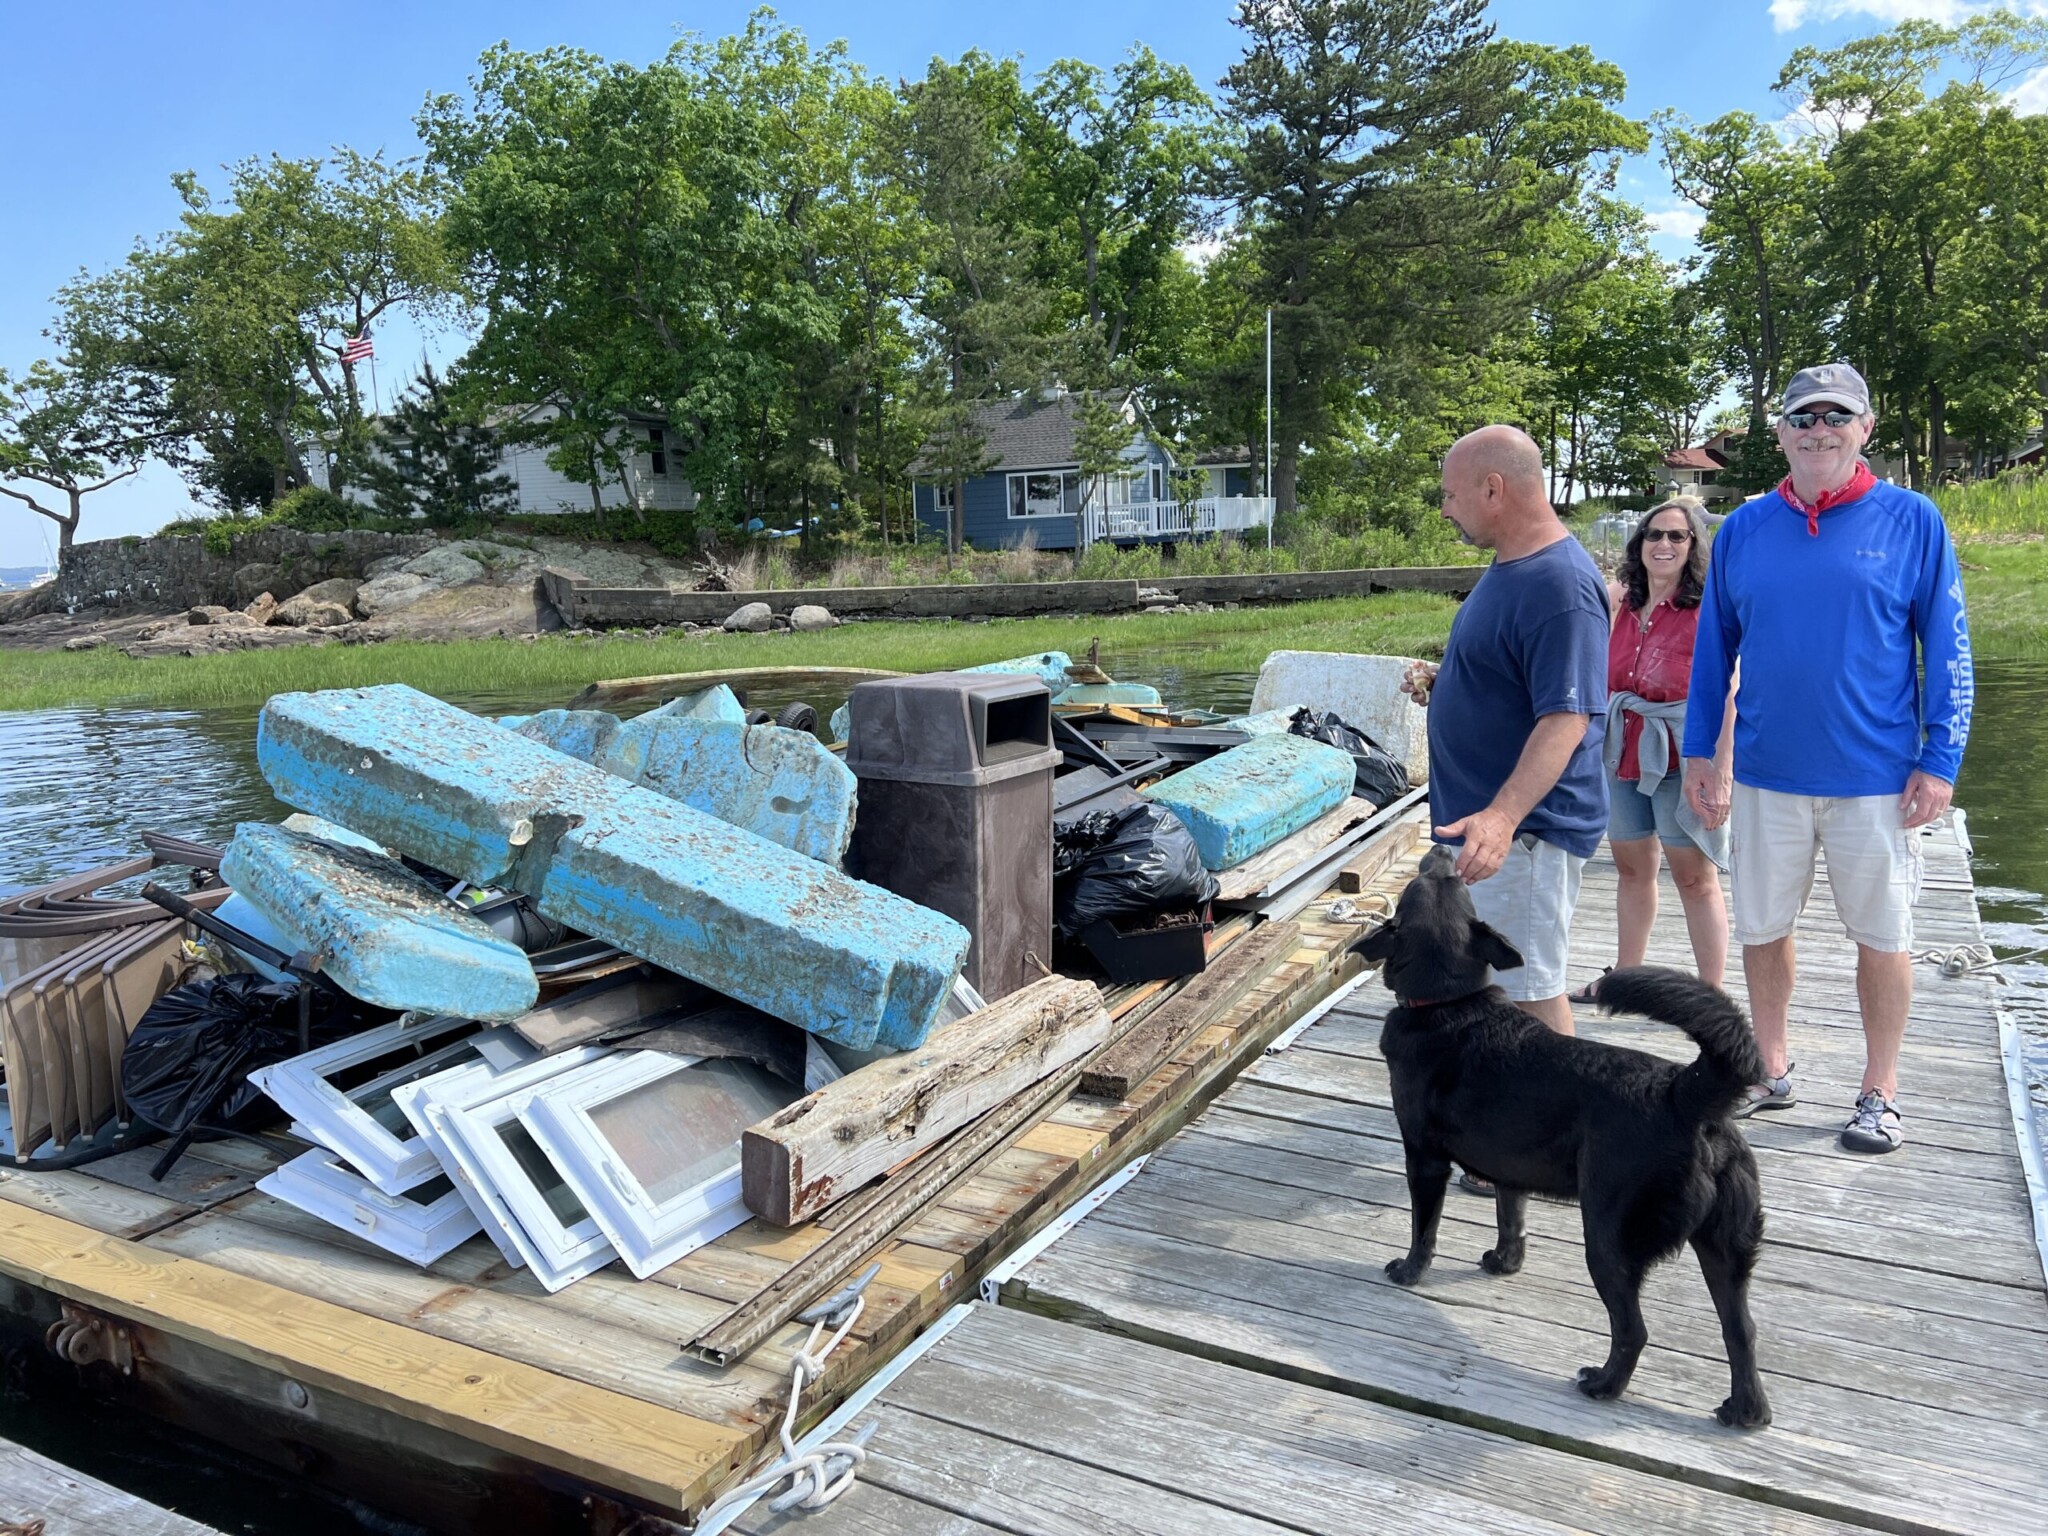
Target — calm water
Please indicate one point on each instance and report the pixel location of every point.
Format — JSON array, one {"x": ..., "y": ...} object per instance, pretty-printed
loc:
[{"x": 80, "y": 785}]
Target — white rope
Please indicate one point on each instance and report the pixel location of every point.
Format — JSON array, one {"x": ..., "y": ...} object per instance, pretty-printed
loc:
[
  {"x": 1968, "y": 959},
  {"x": 1345, "y": 910},
  {"x": 828, "y": 1469}
]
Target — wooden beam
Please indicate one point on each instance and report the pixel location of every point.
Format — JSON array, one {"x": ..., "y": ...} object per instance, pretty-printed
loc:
[
  {"x": 1362, "y": 871},
  {"x": 1137, "y": 1055},
  {"x": 826, "y": 1145},
  {"x": 669, "y": 685},
  {"x": 669, "y": 1459}
]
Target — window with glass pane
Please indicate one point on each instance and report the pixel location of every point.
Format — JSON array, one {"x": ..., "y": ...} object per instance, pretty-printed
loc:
[
  {"x": 683, "y": 1129},
  {"x": 542, "y": 1173}
]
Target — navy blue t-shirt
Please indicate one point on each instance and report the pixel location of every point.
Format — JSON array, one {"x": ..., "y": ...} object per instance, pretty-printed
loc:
[{"x": 1530, "y": 641}]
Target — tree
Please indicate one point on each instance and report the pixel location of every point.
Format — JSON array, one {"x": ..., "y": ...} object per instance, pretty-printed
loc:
[
  {"x": 1397, "y": 165},
  {"x": 1103, "y": 433},
  {"x": 434, "y": 461},
  {"x": 58, "y": 433}
]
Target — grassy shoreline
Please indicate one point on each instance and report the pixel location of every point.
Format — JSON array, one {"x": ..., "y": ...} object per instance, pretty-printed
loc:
[{"x": 2007, "y": 585}]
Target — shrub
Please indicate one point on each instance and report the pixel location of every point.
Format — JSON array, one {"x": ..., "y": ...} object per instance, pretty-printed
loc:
[{"x": 314, "y": 509}]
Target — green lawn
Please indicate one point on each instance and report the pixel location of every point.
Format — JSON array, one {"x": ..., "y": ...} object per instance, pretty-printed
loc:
[
  {"x": 2007, "y": 585},
  {"x": 556, "y": 666}
]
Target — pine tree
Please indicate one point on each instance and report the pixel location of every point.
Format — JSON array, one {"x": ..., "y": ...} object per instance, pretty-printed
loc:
[{"x": 436, "y": 462}]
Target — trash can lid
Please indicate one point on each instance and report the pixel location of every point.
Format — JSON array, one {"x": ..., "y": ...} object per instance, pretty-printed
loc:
[{"x": 960, "y": 728}]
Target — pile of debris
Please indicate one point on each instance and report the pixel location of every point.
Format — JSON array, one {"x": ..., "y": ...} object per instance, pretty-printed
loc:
[{"x": 603, "y": 988}]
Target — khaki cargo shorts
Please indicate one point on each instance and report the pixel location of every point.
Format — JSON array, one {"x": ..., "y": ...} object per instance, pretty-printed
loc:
[
  {"x": 1529, "y": 901},
  {"x": 1874, "y": 865}
]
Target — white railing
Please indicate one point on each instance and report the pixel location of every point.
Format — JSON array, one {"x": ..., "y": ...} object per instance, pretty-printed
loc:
[{"x": 1178, "y": 519}]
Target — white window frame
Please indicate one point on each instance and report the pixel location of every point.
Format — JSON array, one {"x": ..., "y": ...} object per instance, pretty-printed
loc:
[
  {"x": 942, "y": 496},
  {"x": 1063, "y": 476},
  {"x": 557, "y": 1252},
  {"x": 321, "y": 1185},
  {"x": 649, "y": 1234},
  {"x": 337, "y": 1120},
  {"x": 422, "y": 1103}
]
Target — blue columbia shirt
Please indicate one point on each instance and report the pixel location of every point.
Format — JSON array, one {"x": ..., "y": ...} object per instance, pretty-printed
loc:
[
  {"x": 1833, "y": 630},
  {"x": 1530, "y": 641}
]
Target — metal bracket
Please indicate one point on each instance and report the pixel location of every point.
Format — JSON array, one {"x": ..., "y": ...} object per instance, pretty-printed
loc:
[{"x": 85, "y": 1337}]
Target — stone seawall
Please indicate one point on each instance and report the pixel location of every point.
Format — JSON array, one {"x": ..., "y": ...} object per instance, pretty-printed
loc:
[{"x": 169, "y": 573}]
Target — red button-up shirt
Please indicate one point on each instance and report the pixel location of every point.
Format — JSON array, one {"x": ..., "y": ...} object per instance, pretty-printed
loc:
[{"x": 1654, "y": 662}]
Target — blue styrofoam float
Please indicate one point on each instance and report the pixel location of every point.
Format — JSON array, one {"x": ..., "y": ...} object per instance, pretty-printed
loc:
[
  {"x": 717, "y": 702},
  {"x": 1267, "y": 722},
  {"x": 1049, "y": 667},
  {"x": 583, "y": 734},
  {"x": 780, "y": 784},
  {"x": 382, "y": 933},
  {"x": 1131, "y": 695},
  {"x": 1241, "y": 802},
  {"x": 792, "y": 936}
]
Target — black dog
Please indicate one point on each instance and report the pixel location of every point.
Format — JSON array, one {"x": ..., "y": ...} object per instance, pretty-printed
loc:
[{"x": 1643, "y": 1145}]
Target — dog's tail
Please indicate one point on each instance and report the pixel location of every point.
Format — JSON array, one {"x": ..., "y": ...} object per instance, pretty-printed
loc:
[{"x": 1729, "y": 1060}]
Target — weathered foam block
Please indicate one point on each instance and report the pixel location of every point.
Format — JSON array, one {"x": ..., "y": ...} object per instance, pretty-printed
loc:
[
  {"x": 779, "y": 784},
  {"x": 583, "y": 734},
  {"x": 1364, "y": 690},
  {"x": 1271, "y": 722},
  {"x": 1049, "y": 667},
  {"x": 239, "y": 913},
  {"x": 762, "y": 924},
  {"x": 328, "y": 831},
  {"x": 715, "y": 703},
  {"x": 383, "y": 933},
  {"x": 841, "y": 722},
  {"x": 1132, "y": 695},
  {"x": 1241, "y": 802}
]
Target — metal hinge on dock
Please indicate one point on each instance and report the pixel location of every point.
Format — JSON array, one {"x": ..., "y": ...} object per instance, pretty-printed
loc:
[{"x": 85, "y": 1337}]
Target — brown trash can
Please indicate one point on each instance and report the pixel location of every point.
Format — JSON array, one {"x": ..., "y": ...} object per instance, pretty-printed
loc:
[{"x": 955, "y": 810}]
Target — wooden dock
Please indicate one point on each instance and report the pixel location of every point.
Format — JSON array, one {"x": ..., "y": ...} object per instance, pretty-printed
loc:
[
  {"x": 1217, "y": 1349},
  {"x": 38, "y": 1494},
  {"x": 470, "y": 1398}
]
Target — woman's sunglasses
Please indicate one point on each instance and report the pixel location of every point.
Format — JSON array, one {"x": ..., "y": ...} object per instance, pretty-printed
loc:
[
  {"x": 1659, "y": 535},
  {"x": 1801, "y": 420}
]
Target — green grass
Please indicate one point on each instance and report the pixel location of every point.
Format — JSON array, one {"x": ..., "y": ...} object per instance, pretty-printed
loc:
[
  {"x": 2011, "y": 504},
  {"x": 2006, "y": 589},
  {"x": 551, "y": 669}
]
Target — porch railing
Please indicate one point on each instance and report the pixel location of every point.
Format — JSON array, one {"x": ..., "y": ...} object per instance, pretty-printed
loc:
[{"x": 1178, "y": 519}]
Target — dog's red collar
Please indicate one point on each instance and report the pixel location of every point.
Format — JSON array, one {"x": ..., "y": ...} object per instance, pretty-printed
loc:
[{"x": 1434, "y": 1002}]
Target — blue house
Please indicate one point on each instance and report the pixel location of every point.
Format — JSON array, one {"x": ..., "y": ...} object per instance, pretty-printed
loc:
[{"x": 1035, "y": 490}]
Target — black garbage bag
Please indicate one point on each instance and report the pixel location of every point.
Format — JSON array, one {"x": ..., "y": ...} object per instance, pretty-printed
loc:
[
  {"x": 1118, "y": 863},
  {"x": 186, "y": 1069},
  {"x": 1379, "y": 776}
]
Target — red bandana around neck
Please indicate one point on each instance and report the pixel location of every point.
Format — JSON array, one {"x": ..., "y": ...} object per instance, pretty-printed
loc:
[{"x": 1859, "y": 482}]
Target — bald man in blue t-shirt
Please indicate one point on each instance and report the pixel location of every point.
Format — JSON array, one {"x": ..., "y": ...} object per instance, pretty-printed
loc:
[{"x": 1517, "y": 713}]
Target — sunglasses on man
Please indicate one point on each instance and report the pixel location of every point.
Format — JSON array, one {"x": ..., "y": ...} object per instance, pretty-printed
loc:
[
  {"x": 1801, "y": 420},
  {"x": 1659, "y": 535}
]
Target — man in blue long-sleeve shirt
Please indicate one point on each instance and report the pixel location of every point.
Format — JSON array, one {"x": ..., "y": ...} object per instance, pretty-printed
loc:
[{"x": 1835, "y": 591}]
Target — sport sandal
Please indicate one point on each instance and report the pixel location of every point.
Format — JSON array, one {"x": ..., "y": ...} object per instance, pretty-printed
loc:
[
  {"x": 1771, "y": 1093},
  {"x": 1875, "y": 1126}
]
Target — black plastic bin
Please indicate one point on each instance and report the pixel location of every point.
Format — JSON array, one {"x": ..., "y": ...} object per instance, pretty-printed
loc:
[
  {"x": 1146, "y": 951},
  {"x": 955, "y": 813}
]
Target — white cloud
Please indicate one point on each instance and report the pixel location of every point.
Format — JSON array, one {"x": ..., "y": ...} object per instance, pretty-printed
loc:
[
  {"x": 1199, "y": 253},
  {"x": 1791, "y": 15},
  {"x": 2030, "y": 97},
  {"x": 1679, "y": 223}
]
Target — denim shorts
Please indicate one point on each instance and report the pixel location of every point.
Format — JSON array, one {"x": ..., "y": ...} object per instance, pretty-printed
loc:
[{"x": 1631, "y": 814}]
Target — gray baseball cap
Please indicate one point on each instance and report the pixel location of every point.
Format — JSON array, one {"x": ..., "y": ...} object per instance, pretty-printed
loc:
[{"x": 1836, "y": 383}]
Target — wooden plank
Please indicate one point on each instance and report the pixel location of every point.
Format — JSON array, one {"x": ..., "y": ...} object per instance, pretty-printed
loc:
[
  {"x": 40, "y": 1494},
  {"x": 607, "y": 692},
  {"x": 667, "y": 1458},
  {"x": 827, "y": 1144},
  {"x": 1369, "y": 867},
  {"x": 1253, "y": 875},
  {"x": 1137, "y": 1055}
]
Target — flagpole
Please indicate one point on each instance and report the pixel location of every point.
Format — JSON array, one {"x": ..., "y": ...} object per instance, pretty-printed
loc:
[{"x": 1273, "y": 510}]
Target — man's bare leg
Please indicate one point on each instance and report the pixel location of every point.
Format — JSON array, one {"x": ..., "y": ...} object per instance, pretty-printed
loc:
[
  {"x": 1770, "y": 970},
  {"x": 1884, "y": 989},
  {"x": 1554, "y": 1011}
]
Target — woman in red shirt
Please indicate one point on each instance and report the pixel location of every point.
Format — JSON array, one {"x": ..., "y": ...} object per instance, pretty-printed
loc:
[{"x": 1656, "y": 601}]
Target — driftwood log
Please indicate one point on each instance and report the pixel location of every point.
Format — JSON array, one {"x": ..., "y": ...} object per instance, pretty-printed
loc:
[{"x": 828, "y": 1144}]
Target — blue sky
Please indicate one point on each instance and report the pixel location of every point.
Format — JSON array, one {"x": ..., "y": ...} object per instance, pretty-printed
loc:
[{"x": 108, "y": 98}]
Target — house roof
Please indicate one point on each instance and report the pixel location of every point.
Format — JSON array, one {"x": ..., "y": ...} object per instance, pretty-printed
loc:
[
  {"x": 1692, "y": 458},
  {"x": 1028, "y": 432}
]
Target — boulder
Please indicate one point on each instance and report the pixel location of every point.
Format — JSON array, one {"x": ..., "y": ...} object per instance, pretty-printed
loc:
[
  {"x": 383, "y": 566},
  {"x": 85, "y": 642},
  {"x": 445, "y": 567},
  {"x": 263, "y": 608},
  {"x": 809, "y": 616},
  {"x": 338, "y": 589},
  {"x": 752, "y": 618},
  {"x": 205, "y": 613},
  {"x": 234, "y": 618},
  {"x": 401, "y": 589},
  {"x": 308, "y": 612}
]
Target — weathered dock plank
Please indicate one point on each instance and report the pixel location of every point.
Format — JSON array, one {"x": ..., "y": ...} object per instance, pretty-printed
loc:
[{"x": 39, "y": 1494}]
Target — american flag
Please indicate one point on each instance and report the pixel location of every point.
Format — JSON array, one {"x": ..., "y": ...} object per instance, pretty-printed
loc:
[{"x": 358, "y": 349}]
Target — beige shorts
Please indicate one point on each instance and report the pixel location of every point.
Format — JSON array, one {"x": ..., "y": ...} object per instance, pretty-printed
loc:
[
  {"x": 1874, "y": 865},
  {"x": 1529, "y": 901}
]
